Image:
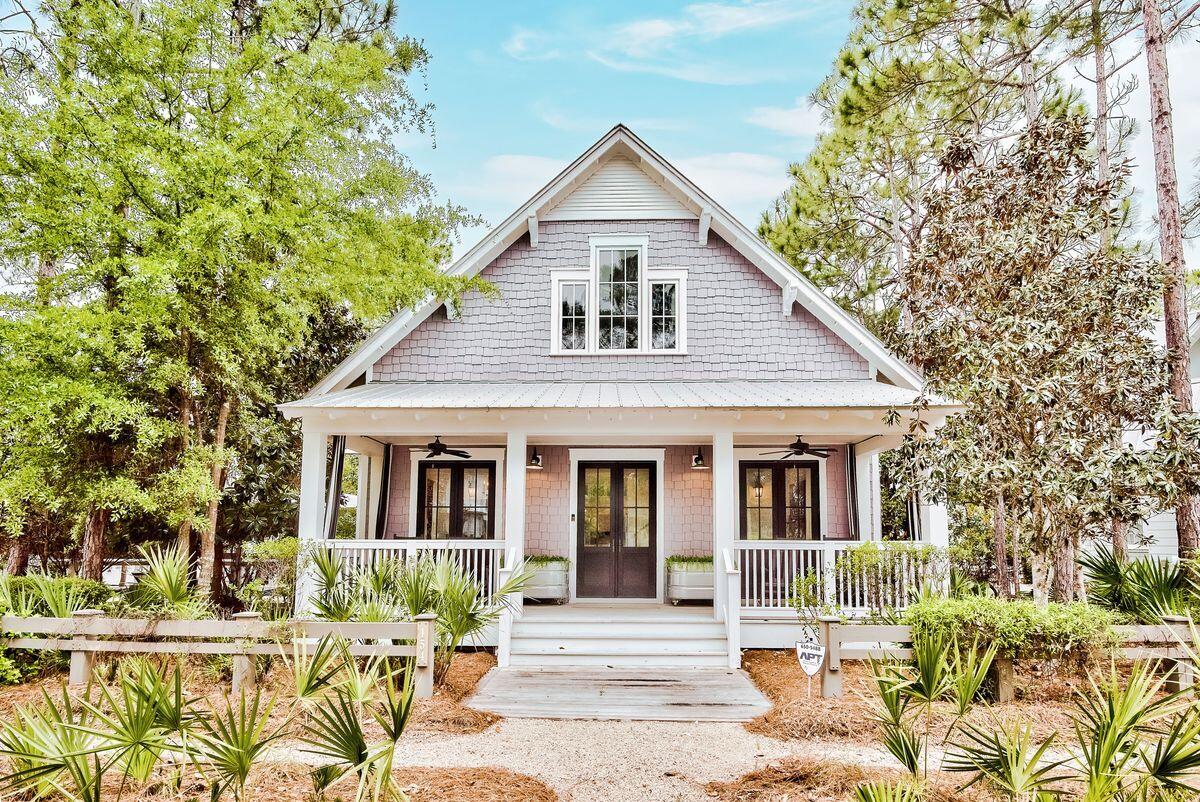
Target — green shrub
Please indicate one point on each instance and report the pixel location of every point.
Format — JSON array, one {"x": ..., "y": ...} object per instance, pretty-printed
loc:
[
  {"x": 538, "y": 560},
  {"x": 10, "y": 674},
  {"x": 684, "y": 562},
  {"x": 1017, "y": 628},
  {"x": 87, "y": 592},
  {"x": 274, "y": 566}
]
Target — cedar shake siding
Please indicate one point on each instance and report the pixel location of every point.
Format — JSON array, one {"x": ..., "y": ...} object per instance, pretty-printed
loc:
[
  {"x": 736, "y": 329},
  {"x": 687, "y": 496}
]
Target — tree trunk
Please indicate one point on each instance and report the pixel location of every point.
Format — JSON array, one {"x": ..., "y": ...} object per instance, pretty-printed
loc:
[
  {"x": 184, "y": 538},
  {"x": 1120, "y": 539},
  {"x": 208, "y": 537},
  {"x": 1170, "y": 227},
  {"x": 1003, "y": 586},
  {"x": 1062, "y": 584},
  {"x": 1017, "y": 573},
  {"x": 95, "y": 534},
  {"x": 1041, "y": 578},
  {"x": 18, "y": 556}
]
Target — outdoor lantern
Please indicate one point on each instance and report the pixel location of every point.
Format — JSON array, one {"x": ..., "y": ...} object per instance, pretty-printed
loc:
[
  {"x": 757, "y": 485},
  {"x": 535, "y": 461},
  {"x": 698, "y": 460}
]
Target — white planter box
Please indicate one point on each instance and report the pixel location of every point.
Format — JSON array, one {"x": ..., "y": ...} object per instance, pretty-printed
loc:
[
  {"x": 685, "y": 585},
  {"x": 548, "y": 582}
]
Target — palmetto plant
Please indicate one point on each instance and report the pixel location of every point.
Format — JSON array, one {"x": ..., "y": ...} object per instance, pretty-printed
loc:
[
  {"x": 16, "y": 601},
  {"x": 166, "y": 585},
  {"x": 888, "y": 792},
  {"x": 50, "y": 751},
  {"x": 969, "y": 671},
  {"x": 313, "y": 673},
  {"x": 232, "y": 739},
  {"x": 59, "y": 599},
  {"x": 1146, "y": 588},
  {"x": 1008, "y": 759}
]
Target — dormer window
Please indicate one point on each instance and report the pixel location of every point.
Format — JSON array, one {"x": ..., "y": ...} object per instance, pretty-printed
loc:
[{"x": 619, "y": 303}]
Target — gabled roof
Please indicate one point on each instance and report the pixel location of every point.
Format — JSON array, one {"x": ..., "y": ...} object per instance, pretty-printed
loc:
[{"x": 620, "y": 141}]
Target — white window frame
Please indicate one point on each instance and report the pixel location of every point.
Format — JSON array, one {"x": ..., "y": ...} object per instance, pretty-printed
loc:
[
  {"x": 748, "y": 454},
  {"x": 647, "y": 275}
]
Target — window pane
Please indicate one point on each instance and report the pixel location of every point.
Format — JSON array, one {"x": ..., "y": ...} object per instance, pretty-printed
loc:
[
  {"x": 619, "y": 307},
  {"x": 663, "y": 315},
  {"x": 573, "y": 323},
  {"x": 758, "y": 490},
  {"x": 597, "y": 524},
  {"x": 798, "y": 502}
]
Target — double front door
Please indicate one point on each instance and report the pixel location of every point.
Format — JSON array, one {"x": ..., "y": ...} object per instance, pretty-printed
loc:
[{"x": 616, "y": 530}]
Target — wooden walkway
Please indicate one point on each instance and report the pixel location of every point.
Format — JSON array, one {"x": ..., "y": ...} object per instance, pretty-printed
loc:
[{"x": 620, "y": 694}]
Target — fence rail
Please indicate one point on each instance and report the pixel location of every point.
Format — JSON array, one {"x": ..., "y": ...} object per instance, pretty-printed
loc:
[
  {"x": 772, "y": 572},
  {"x": 893, "y": 642},
  {"x": 479, "y": 559},
  {"x": 89, "y": 633}
]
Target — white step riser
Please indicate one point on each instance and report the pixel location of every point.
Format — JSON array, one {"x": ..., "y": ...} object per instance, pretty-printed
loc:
[
  {"x": 613, "y": 646},
  {"x": 539, "y": 629},
  {"x": 624, "y": 661}
]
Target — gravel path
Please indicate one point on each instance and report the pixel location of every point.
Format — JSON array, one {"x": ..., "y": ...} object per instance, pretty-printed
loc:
[{"x": 617, "y": 761}]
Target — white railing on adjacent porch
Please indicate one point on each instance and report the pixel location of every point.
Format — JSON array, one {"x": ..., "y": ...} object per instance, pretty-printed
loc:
[
  {"x": 772, "y": 569},
  {"x": 478, "y": 558}
]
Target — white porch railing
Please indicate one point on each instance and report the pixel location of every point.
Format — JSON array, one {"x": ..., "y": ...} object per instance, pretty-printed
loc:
[
  {"x": 771, "y": 570},
  {"x": 478, "y": 558}
]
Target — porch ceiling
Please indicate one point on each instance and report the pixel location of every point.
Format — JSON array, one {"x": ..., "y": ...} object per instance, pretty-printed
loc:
[{"x": 616, "y": 395}]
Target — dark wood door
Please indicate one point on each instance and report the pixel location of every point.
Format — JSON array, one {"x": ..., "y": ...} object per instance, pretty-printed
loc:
[{"x": 616, "y": 530}]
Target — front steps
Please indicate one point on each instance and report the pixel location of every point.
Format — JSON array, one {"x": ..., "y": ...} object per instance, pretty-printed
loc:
[{"x": 618, "y": 636}]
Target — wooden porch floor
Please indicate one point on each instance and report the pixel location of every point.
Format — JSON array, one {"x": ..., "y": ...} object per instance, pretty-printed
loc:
[{"x": 623, "y": 694}]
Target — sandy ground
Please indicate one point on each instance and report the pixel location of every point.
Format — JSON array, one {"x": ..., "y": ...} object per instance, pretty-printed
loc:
[{"x": 617, "y": 761}]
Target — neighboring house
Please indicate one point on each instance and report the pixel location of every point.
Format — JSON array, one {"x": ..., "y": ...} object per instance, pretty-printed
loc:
[
  {"x": 1158, "y": 537},
  {"x": 625, "y": 398}
]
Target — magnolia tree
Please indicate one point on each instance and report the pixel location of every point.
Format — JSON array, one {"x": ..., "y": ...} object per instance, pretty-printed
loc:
[{"x": 1041, "y": 327}]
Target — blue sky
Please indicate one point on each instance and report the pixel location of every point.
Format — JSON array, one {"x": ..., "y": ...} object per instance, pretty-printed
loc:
[{"x": 719, "y": 88}]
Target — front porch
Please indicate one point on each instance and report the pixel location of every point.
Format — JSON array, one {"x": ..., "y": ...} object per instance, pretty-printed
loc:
[{"x": 616, "y": 492}]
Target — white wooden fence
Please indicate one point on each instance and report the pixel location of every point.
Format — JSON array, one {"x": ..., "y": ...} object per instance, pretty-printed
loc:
[
  {"x": 89, "y": 633},
  {"x": 848, "y": 641},
  {"x": 772, "y": 569},
  {"x": 479, "y": 559}
]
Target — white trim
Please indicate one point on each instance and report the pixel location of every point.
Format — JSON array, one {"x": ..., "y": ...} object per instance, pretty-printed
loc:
[
  {"x": 533, "y": 231},
  {"x": 621, "y": 139},
  {"x": 702, "y": 229},
  {"x": 418, "y": 455},
  {"x": 655, "y": 455},
  {"x": 754, "y": 454}
]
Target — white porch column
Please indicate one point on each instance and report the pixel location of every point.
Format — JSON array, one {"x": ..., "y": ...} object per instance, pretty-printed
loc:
[
  {"x": 724, "y": 488},
  {"x": 866, "y": 481},
  {"x": 935, "y": 525},
  {"x": 312, "y": 503},
  {"x": 514, "y": 535}
]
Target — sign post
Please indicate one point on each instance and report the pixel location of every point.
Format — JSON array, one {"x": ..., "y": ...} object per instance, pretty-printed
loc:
[{"x": 811, "y": 655}]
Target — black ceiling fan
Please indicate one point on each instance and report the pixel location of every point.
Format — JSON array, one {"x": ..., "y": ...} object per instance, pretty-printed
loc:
[
  {"x": 438, "y": 449},
  {"x": 799, "y": 449}
]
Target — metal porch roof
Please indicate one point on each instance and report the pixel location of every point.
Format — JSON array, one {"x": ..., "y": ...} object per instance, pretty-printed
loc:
[{"x": 615, "y": 395}]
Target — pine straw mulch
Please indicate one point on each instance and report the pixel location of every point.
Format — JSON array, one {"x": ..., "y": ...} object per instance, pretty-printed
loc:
[
  {"x": 445, "y": 712},
  {"x": 1044, "y": 701},
  {"x": 814, "y": 780},
  {"x": 290, "y": 782}
]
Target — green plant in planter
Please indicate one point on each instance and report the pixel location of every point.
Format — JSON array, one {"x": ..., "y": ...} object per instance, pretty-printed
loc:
[
  {"x": 536, "y": 561},
  {"x": 687, "y": 562}
]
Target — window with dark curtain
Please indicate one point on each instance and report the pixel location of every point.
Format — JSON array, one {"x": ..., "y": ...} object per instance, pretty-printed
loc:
[
  {"x": 456, "y": 499},
  {"x": 779, "y": 501}
]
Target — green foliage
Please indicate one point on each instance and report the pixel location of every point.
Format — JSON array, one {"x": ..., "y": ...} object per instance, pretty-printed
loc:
[
  {"x": 274, "y": 566},
  {"x": 232, "y": 739},
  {"x": 38, "y": 594},
  {"x": 969, "y": 670},
  {"x": 880, "y": 568},
  {"x": 1006, "y": 758},
  {"x": 183, "y": 230},
  {"x": 540, "y": 560},
  {"x": 686, "y": 562},
  {"x": 165, "y": 589},
  {"x": 888, "y": 792},
  {"x": 10, "y": 674},
  {"x": 1016, "y": 628},
  {"x": 1145, "y": 588}
]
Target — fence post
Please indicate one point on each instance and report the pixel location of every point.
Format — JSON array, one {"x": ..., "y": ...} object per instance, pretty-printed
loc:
[
  {"x": 1002, "y": 670},
  {"x": 245, "y": 678},
  {"x": 831, "y": 671},
  {"x": 1183, "y": 671},
  {"x": 425, "y": 654},
  {"x": 82, "y": 661}
]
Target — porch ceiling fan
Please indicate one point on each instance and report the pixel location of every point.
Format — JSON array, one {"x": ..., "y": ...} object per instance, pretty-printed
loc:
[
  {"x": 437, "y": 449},
  {"x": 799, "y": 449}
]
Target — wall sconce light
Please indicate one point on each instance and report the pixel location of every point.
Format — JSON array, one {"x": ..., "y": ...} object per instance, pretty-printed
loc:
[
  {"x": 535, "y": 461},
  {"x": 698, "y": 460}
]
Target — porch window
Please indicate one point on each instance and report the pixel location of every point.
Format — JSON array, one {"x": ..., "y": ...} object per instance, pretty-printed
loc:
[
  {"x": 455, "y": 499},
  {"x": 664, "y": 315},
  {"x": 573, "y": 315},
  {"x": 779, "y": 501}
]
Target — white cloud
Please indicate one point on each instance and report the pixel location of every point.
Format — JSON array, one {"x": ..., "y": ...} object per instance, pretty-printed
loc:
[
  {"x": 802, "y": 120},
  {"x": 744, "y": 183},
  {"x": 670, "y": 46},
  {"x": 508, "y": 179}
]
